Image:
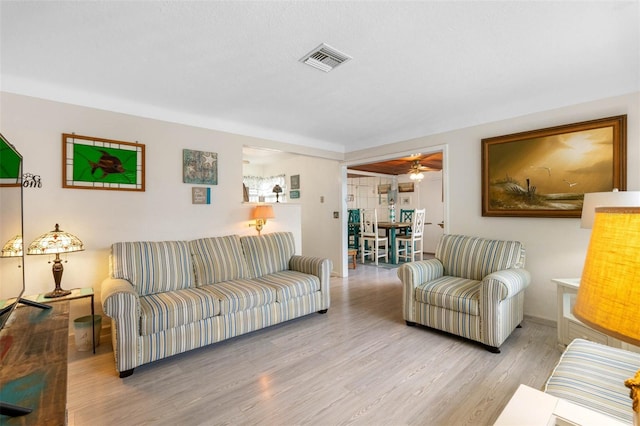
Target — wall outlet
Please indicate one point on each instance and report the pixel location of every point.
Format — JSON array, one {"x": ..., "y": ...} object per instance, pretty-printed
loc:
[{"x": 336, "y": 215}]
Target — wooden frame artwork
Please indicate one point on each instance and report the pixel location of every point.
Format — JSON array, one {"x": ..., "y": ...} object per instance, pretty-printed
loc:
[
  {"x": 384, "y": 188},
  {"x": 199, "y": 167},
  {"x": 295, "y": 182},
  {"x": 406, "y": 186},
  {"x": 546, "y": 172},
  {"x": 96, "y": 163}
]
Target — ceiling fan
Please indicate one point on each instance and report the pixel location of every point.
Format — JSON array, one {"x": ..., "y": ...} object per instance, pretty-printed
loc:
[{"x": 416, "y": 169}]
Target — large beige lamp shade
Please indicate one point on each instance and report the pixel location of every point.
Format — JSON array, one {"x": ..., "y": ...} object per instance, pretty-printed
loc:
[
  {"x": 613, "y": 198},
  {"x": 608, "y": 298}
]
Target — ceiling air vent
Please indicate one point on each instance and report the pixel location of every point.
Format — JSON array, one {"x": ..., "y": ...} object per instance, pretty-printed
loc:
[{"x": 324, "y": 58}]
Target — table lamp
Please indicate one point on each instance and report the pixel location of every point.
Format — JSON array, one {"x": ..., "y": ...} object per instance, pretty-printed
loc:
[
  {"x": 56, "y": 242},
  {"x": 13, "y": 247},
  {"x": 613, "y": 198},
  {"x": 261, "y": 213},
  {"x": 608, "y": 298}
]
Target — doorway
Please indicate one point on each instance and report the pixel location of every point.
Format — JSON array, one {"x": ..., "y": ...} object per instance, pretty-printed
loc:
[{"x": 373, "y": 182}]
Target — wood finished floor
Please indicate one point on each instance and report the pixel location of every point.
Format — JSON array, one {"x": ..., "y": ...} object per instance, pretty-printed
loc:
[{"x": 358, "y": 364}]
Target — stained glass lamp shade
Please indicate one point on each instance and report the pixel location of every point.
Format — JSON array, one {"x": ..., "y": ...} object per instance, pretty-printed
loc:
[
  {"x": 56, "y": 242},
  {"x": 13, "y": 247}
]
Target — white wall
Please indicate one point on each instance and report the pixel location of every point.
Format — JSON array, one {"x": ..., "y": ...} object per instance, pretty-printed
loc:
[
  {"x": 163, "y": 212},
  {"x": 555, "y": 247}
]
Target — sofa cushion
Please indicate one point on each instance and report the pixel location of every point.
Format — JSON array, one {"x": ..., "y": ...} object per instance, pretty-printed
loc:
[
  {"x": 269, "y": 253},
  {"x": 475, "y": 257},
  {"x": 240, "y": 295},
  {"x": 153, "y": 267},
  {"x": 218, "y": 259},
  {"x": 453, "y": 293},
  {"x": 593, "y": 375},
  {"x": 162, "y": 311},
  {"x": 290, "y": 284}
]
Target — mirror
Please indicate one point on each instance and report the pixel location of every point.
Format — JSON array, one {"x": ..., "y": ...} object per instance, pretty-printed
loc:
[{"x": 12, "y": 257}]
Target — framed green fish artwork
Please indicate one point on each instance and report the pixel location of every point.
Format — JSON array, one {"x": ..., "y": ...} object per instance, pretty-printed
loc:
[{"x": 96, "y": 163}]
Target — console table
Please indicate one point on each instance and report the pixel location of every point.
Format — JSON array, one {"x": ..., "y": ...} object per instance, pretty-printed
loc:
[
  {"x": 531, "y": 407},
  {"x": 570, "y": 327},
  {"x": 33, "y": 353}
]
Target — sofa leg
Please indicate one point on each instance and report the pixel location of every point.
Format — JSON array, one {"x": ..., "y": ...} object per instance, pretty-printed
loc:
[
  {"x": 411, "y": 323},
  {"x": 519, "y": 326},
  {"x": 126, "y": 373},
  {"x": 323, "y": 311},
  {"x": 492, "y": 349}
]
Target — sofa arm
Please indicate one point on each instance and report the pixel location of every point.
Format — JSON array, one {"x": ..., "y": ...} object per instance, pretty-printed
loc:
[
  {"x": 320, "y": 267},
  {"x": 412, "y": 275},
  {"x": 121, "y": 303},
  {"x": 502, "y": 285}
]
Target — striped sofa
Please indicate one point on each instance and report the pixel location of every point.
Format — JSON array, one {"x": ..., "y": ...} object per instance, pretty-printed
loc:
[
  {"x": 592, "y": 375},
  {"x": 169, "y": 297},
  {"x": 474, "y": 288}
]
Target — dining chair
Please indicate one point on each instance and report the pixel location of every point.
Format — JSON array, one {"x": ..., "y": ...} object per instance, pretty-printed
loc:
[
  {"x": 371, "y": 243},
  {"x": 406, "y": 215},
  {"x": 408, "y": 246},
  {"x": 353, "y": 228}
]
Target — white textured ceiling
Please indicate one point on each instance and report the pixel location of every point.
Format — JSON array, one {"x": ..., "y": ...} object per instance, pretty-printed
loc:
[{"x": 418, "y": 68}]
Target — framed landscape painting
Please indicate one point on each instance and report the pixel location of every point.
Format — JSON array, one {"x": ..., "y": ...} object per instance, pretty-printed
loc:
[
  {"x": 546, "y": 172},
  {"x": 96, "y": 163}
]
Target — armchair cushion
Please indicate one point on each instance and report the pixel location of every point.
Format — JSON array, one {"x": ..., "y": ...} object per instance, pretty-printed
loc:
[
  {"x": 453, "y": 293},
  {"x": 476, "y": 257}
]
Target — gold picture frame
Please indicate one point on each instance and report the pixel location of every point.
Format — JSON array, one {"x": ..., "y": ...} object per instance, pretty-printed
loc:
[{"x": 546, "y": 172}]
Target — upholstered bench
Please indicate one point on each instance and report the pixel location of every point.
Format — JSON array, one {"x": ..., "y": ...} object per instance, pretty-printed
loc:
[{"x": 592, "y": 375}]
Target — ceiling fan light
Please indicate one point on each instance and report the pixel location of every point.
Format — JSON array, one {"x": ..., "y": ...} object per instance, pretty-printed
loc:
[{"x": 416, "y": 176}]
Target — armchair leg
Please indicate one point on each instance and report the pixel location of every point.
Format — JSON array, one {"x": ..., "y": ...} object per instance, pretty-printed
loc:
[
  {"x": 323, "y": 311},
  {"x": 519, "y": 326},
  {"x": 126, "y": 373},
  {"x": 411, "y": 323},
  {"x": 492, "y": 349}
]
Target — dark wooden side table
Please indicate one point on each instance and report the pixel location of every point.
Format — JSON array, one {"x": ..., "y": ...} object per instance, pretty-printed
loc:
[
  {"x": 33, "y": 354},
  {"x": 76, "y": 293}
]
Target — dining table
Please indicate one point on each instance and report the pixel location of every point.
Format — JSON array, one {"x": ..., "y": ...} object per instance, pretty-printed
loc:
[{"x": 391, "y": 228}]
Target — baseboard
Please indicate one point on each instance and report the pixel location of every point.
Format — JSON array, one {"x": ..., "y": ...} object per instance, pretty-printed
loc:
[{"x": 542, "y": 321}]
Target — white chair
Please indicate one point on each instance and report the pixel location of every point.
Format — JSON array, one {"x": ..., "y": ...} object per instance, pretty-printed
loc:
[
  {"x": 407, "y": 246},
  {"x": 370, "y": 240}
]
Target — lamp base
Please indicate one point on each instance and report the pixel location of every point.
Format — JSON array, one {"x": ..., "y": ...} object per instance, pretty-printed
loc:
[{"x": 58, "y": 292}]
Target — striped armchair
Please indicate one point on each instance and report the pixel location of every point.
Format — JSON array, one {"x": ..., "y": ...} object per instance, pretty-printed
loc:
[
  {"x": 169, "y": 297},
  {"x": 474, "y": 288}
]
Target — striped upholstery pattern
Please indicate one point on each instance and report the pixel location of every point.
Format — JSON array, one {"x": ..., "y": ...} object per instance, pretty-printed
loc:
[
  {"x": 290, "y": 284},
  {"x": 269, "y": 253},
  {"x": 201, "y": 333},
  {"x": 475, "y": 257},
  {"x": 218, "y": 259},
  {"x": 453, "y": 293},
  {"x": 458, "y": 323},
  {"x": 240, "y": 295},
  {"x": 171, "y": 309},
  {"x": 153, "y": 267},
  {"x": 465, "y": 290},
  {"x": 593, "y": 375},
  {"x": 164, "y": 300}
]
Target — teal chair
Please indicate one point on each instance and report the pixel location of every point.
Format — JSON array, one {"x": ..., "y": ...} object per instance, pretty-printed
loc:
[
  {"x": 353, "y": 228},
  {"x": 406, "y": 215}
]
